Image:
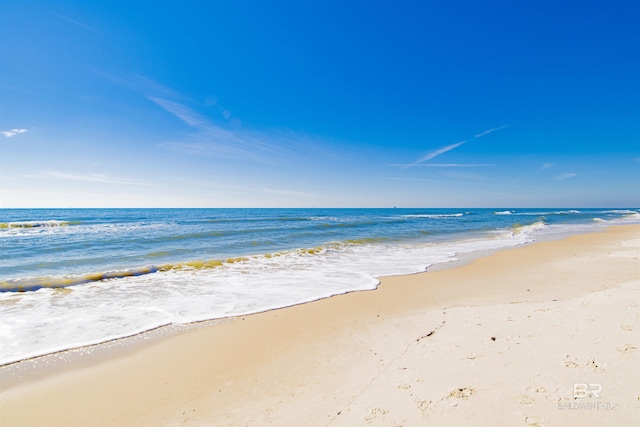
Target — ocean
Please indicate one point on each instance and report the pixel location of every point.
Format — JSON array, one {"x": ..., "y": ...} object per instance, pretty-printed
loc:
[{"x": 76, "y": 277}]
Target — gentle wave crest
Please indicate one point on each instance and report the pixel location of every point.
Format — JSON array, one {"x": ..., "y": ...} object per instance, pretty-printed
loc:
[
  {"x": 35, "y": 283},
  {"x": 434, "y": 216},
  {"x": 52, "y": 282},
  {"x": 539, "y": 213},
  {"x": 35, "y": 224},
  {"x": 528, "y": 229}
]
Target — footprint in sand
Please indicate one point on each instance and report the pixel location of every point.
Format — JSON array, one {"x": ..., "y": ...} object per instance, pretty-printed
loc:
[
  {"x": 595, "y": 367},
  {"x": 626, "y": 349},
  {"x": 592, "y": 365},
  {"x": 533, "y": 422},
  {"x": 525, "y": 399},
  {"x": 462, "y": 393},
  {"x": 549, "y": 397},
  {"x": 571, "y": 362},
  {"x": 424, "y": 406},
  {"x": 375, "y": 413}
]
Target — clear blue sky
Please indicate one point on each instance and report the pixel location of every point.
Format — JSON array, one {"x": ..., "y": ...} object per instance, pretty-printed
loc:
[{"x": 300, "y": 103}]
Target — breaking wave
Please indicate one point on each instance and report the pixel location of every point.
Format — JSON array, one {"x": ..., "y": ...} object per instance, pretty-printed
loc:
[
  {"x": 434, "y": 216},
  {"x": 35, "y": 224}
]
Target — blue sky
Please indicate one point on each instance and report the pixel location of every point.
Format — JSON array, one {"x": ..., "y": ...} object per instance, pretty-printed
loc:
[{"x": 256, "y": 103}]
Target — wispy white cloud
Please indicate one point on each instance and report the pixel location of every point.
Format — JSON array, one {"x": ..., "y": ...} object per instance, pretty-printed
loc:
[
  {"x": 13, "y": 132},
  {"x": 429, "y": 156},
  {"x": 209, "y": 139},
  {"x": 274, "y": 147},
  {"x": 143, "y": 85},
  {"x": 488, "y": 131},
  {"x": 439, "y": 151},
  {"x": 92, "y": 177},
  {"x": 397, "y": 178},
  {"x": 546, "y": 166},
  {"x": 186, "y": 114},
  {"x": 206, "y": 185},
  {"x": 433, "y": 154},
  {"x": 483, "y": 181},
  {"x": 465, "y": 175},
  {"x": 73, "y": 21},
  {"x": 455, "y": 165},
  {"x": 287, "y": 192},
  {"x": 228, "y": 140},
  {"x": 565, "y": 176}
]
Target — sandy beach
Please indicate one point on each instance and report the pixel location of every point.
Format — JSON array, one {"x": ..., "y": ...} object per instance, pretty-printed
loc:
[{"x": 540, "y": 335}]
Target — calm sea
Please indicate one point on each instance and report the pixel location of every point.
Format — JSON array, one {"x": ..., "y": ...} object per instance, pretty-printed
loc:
[{"x": 74, "y": 277}]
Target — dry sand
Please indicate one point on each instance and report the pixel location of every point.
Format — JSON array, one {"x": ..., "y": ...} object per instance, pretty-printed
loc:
[{"x": 526, "y": 336}]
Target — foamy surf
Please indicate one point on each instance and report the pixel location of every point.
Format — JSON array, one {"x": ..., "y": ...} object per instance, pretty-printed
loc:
[
  {"x": 71, "y": 286},
  {"x": 34, "y": 224},
  {"x": 34, "y": 283},
  {"x": 455, "y": 215},
  {"x": 102, "y": 310}
]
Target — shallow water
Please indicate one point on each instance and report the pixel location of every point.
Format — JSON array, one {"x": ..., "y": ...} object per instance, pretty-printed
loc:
[{"x": 82, "y": 276}]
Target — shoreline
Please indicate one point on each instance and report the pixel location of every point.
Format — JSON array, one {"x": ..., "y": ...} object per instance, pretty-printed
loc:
[
  {"x": 84, "y": 351},
  {"x": 58, "y": 361},
  {"x": 33, "y": 368},
  {"x": 320, "y": 326},
  {"x": 356, "y": 268},
  {"x": 109, "y": 346}
]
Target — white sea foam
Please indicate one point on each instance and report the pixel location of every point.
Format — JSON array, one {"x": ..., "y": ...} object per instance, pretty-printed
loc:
[
  {"x": 455, "y": 215},
  {"x": 528, "y": 229},
  {"x": 55, "y": 319},
  {"x": 634, "y": 216},
  {"x": 34, "y": 224},
  {"x": 57, "y": 227},
  {"x": 540, "y": 213},
  {"x": 47, "y": 320},
  {"x": 627, "y": 216},
  {"x": 62, "y": 281}
]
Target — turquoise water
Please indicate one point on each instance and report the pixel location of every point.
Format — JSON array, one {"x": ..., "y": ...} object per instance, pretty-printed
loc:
[{"x": 81, "y": 276}]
